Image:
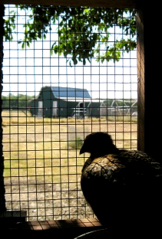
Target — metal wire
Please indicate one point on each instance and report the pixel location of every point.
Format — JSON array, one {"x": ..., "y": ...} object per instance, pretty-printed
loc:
[{"x": 42, "y": 134}]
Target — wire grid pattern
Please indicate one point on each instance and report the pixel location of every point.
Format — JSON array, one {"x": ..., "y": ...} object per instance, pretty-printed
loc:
[{"x": 41, "y": 151}]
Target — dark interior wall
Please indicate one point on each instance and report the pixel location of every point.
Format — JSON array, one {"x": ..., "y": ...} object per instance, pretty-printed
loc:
[
  {"x": 2, "y": 199},
  {"x": 94, "y": 3}
]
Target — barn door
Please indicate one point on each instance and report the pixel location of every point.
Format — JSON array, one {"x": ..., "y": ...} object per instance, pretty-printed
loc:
[
  {"x": 54, "y": 109},
  {"x": 40, "y": 108}
]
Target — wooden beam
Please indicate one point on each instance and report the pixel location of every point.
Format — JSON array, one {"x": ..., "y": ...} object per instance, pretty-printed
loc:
[
  {"x": 141, "y": 79},
  {"x": 149, "y": 54},
  {"x": 92, "y": 3}
]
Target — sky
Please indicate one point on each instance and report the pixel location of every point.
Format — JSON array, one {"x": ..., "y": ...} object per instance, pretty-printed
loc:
[{"x": 26, "y": 71}]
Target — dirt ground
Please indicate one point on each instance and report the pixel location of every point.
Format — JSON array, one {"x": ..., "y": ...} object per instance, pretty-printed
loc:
[
  {"x": 41, "y": 198},
  {"x": 46, "y": 201}
]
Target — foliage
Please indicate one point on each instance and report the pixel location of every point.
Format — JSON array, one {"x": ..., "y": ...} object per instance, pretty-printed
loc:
[
  {"x": 76, "y": 144},
  {"x": 15, "y": 102},
  {"x": 83, "y": 32},
  {"x": 9, "y": 26}
]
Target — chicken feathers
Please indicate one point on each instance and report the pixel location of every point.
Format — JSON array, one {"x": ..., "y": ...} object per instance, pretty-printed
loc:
[{"x": 123, "y": 187}]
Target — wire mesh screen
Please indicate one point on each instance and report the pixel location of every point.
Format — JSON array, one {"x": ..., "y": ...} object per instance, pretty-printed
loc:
[{"x": 51, "y": 101}]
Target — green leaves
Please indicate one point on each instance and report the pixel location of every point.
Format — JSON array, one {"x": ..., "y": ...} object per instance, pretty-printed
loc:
[
  {"x": 9, "y": 26},
  {"x": 126, "y": 45},
  {"x": 83, "y": 32}
]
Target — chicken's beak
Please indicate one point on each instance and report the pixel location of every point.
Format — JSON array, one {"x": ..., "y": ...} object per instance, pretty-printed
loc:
[{"x": 82, "y": 150}]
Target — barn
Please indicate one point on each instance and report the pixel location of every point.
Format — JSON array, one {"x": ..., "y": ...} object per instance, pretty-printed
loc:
[{"x": 60, "y": 101}]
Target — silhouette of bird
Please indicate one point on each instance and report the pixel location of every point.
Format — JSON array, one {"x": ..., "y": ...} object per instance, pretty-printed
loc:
[{"x": 123, "y": 188}]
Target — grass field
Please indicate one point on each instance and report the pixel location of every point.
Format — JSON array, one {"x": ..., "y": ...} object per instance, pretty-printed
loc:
[
  {"x": 41, "y": 152},
  {"x": 33, "y": 146}
]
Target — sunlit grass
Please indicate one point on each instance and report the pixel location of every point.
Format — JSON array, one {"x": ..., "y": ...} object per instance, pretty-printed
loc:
[
  {"x": 19, "y": 117},
  {"x": 48, "y": 149}
]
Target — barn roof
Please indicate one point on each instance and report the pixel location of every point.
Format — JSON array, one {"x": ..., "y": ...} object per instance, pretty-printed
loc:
[{"x": 68, "y": 92}]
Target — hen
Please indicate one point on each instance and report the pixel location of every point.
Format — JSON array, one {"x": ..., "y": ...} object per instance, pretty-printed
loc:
[{"x": 123, "y": 188}]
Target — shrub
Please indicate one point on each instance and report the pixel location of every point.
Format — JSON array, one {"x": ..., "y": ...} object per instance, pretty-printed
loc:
[{"x": 76, "y": 144}]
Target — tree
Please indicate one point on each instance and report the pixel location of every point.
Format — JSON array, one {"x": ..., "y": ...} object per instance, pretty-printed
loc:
[
  {"x": 19, "y": 101},
  {"x": 82, "y": 31}
]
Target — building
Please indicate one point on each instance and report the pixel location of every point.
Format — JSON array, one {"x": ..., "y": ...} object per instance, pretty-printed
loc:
[{"x": 64, "y": 102}]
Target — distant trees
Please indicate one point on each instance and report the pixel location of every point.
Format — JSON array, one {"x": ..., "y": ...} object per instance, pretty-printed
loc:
[{"x": 19, "y": 101}]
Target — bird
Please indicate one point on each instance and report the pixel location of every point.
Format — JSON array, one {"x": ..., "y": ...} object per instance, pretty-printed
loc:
[{"x": 123, "y": 187}]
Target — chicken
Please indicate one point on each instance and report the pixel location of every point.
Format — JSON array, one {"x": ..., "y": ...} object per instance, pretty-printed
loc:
[{"x": 123, "y": 188}]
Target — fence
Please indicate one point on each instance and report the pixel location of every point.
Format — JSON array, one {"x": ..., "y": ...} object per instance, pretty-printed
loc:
[{"x": 41, "y": 154}]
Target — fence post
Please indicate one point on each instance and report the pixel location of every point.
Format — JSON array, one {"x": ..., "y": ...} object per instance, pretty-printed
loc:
[{"x": 149, "y": 80}]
